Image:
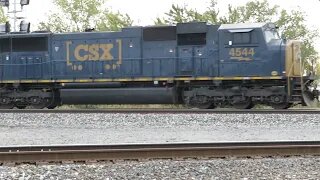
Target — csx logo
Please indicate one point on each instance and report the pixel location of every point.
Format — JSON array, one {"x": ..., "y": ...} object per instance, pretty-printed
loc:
[{"x": 93, "y": 52}]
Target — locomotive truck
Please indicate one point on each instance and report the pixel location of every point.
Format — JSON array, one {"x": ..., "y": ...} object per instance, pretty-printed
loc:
[{"x": 196, "y": 64}]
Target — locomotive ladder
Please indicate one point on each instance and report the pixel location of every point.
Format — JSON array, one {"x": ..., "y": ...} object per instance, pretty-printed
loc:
[{"x": 297, "y": 89}]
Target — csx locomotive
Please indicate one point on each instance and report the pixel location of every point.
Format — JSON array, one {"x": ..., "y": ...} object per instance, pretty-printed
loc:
[{"x": 196, "y": 64}]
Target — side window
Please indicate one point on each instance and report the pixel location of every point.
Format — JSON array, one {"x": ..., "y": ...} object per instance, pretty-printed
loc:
[
  {"x": 166, "y": 33},
  {"x": 242, "y": 38},
  {"x": 192, "y": 39},
  {"x": 30, "y": 44},
  {"x": 4, "y": 45}
]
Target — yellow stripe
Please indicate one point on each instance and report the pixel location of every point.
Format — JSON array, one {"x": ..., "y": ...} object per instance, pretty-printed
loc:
[
  {"x": 123, "y": 79},
  {"x": 143, "y": 79},
  {"x": 25, "y": 81},
  {"x": 238, "y": 78},
  {"x": 45, "y": 81},
  {"x": 64, "y": 81},
  {"x": 203, "y": 78},
  {"x": 102, "y": 80},
  {"x": 10, "y": 81},
  {"x": 278, "y": 77},
  {"x": 257, "y": 78},
  {"x": 184, "y": 79},
  {"x": 217, "y": 78},
  {"x": 28, "y": 81},
  {"x": 83, "y": 80},
  {"x": 163, "y": 79}
]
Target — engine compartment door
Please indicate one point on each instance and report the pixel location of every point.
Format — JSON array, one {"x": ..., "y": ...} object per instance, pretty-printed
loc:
[{"x": 185, "y": 60}]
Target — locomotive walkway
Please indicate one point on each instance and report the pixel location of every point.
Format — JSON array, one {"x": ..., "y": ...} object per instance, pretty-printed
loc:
[
  {"x": 139, "y": 152},
  {"x": 168, "y": 111}
]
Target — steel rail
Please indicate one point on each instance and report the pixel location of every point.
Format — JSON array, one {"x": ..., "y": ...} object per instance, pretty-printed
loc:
[
  {"x": 166, "y": 111},
  {"x": 89, "y": 153}
]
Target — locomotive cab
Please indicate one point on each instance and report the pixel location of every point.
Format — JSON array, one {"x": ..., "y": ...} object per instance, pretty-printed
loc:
[
  {"x": 255, "y": 50},
  {"x": 250, "y": 50}
]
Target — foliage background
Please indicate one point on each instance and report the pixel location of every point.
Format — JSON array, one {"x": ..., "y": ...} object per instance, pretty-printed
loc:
[{"x": 292, "y": 24}]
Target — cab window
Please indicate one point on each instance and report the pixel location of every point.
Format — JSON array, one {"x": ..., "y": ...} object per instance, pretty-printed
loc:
[
  {"x": 271, "y": 35},
  {"x": 241, "y": 38}
]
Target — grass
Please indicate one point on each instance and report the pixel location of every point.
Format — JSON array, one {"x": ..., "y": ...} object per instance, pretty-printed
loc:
[
  {"x": 157, "y": 106},
  {"x": 123, "y": 106}
]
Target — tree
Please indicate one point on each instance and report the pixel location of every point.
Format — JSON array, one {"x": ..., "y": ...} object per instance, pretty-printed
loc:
[
  {"x": 77, "y": 15},
  {"x": 253, "y": 11},
  {"x": 292, "y": 24},
  {"x": 178, "y": 14},
  {"x": 317, "y": 67},
  {"x": 3, "y": 17},
  {"x": 113, "y": 21}
]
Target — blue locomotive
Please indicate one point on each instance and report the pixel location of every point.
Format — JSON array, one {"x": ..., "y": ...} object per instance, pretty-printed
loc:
[{"x": 196, "y": 64}]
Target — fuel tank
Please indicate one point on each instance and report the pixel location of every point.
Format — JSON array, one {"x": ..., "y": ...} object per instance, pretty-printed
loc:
[{"x": 119, "y": 96}]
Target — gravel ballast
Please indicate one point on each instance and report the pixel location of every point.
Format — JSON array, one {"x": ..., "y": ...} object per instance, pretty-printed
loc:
[
  {"x": 44, "y": 129},
  {"x": 268, "y": 168}
]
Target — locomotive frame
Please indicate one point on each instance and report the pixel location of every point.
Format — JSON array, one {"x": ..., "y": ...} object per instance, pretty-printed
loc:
[{"x": 196, "y": 64}]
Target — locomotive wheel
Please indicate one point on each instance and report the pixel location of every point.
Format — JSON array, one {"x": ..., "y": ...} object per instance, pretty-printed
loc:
[
  {"x": 21, "y": 106},
  {"x": 251, "y": 106},
  {"x": 39, "y": 103},
  {"x": 284, "y": 105},
  {"x": 5, "y": 103},
  {"x": 208, "y": 105},
  {"x": 248, "y": 104},
  {"x": 3, "y": 86},
  {"x": 243, "y": 105},
  {"x": 6, "y": 106},
  {"x": 200, "y": 102},
  {"x": 54, "y": 101},
  {"x": 52, "y": 105},
  {"x": 38, "y": 106}
]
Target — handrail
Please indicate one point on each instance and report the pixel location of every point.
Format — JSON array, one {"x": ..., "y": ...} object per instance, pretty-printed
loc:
[{"x": 288, "y": 79}]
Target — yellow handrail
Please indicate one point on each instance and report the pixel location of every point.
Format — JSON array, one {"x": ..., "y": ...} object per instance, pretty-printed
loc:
[{"x": 288, "y": 81}]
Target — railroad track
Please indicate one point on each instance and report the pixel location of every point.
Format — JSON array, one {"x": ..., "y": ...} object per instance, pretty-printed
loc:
[
  {"x": 96, "y": 153},
  {"x": 171, "y": 111}
]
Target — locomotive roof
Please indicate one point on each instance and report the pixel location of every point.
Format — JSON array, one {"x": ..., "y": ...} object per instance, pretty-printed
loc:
[
  {"x": 242, "y": 26},
  {"x": 17, "y": 35}
]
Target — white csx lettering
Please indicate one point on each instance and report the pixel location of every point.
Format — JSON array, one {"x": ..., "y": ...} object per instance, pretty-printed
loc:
[{"x": 85, "y": 52}]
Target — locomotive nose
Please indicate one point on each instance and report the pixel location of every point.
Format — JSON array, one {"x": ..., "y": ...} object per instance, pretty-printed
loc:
[
  {"x": 295, "y": 70},
  {"x": 311, "y": 98},
  {"x": 294, "y": 65}
]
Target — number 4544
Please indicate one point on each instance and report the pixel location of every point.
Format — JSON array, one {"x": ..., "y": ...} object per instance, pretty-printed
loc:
[{"x": 241, "y": 52}]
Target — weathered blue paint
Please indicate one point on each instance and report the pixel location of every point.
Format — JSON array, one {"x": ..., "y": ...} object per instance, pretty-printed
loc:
[
  {"x": 267, "y": 57},
  {"x": 125, "y": 54}
]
